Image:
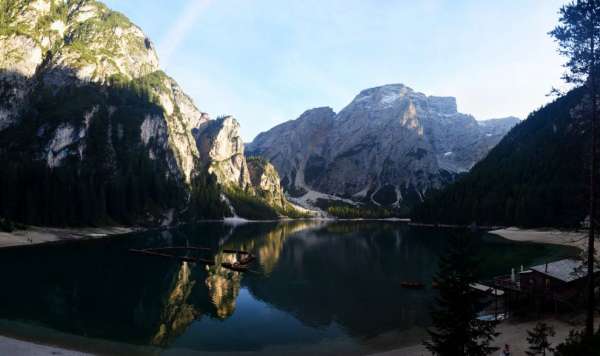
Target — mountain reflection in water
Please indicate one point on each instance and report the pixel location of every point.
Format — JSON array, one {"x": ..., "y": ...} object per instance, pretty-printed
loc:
[{"x": 312, "y": 283}]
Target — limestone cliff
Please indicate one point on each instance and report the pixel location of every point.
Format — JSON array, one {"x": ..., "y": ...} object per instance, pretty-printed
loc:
[
  {"x": 222, "y": 150},
  {"x": 266, "y": 182}
]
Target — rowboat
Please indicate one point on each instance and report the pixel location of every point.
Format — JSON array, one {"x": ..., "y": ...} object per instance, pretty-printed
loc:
[{"x": 238, "y": 267}]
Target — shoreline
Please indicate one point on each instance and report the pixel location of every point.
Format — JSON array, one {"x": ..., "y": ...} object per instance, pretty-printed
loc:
[
  {"x": 512, "y": 332},
  {"x": 42, "y": 235},
  {"x": 569, "y": 238},
  {"x": 38, "y": 235},
  {"x": 16, "y": 347}
]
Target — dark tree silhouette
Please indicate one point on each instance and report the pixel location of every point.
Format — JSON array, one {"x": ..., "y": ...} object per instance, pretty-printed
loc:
[
  {"x": 578, "y": 344},
  {"x": 539, "y": 345},
  {"x": 578, "y": 38},
  {"x": 456, "y": 330}
]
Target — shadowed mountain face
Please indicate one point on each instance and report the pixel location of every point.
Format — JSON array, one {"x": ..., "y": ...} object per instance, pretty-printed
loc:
[
  {"x": 314, "y": 284},
  {"x": 389, "y": 145},
  {"x": 93, "y": 132},
  {"x": 83, "y": 153},
  {"x": 536, "y": 176}
]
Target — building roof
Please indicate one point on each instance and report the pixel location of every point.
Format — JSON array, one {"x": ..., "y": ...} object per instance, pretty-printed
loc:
[
  {"x": 567, "y": 270},
  {"x": 486, "y": 289}
]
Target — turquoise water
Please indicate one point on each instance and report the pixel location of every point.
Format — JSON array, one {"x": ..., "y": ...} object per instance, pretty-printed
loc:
[{"x": 315, "y": 288}]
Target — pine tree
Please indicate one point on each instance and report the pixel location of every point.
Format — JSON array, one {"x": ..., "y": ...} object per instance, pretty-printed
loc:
[
  {"x": 578, "y": 37},
  {"x": 538, "y": 341},
  {"x": 456, "y": 330},
  {"x": 578, "y": 344}
]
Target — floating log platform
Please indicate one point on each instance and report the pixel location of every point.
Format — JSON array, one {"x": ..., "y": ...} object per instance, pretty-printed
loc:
[
  {"x": 242, "y": 265},
  {"x": 152, "y": 252},
  {"x": 243, "y": 256}
]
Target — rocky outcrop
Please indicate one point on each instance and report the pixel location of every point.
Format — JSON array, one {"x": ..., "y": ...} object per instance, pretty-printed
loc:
[
  {"x": 222, "y": 150},
  {"x": 388, "y": 146},
  {"x": 290, "y": 145},
  {"x": 71, "y": 43},
  {"x": 266, "y": 182}
]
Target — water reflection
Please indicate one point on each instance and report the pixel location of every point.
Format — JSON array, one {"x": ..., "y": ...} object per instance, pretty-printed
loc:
[
  {"x": 312, "y": 282},
  {"x": 177, "y": 313},
  {"x": 223, "y": 286}
]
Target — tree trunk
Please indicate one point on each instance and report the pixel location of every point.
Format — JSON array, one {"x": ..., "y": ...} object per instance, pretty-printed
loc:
[{"x": 592, "y": 232}]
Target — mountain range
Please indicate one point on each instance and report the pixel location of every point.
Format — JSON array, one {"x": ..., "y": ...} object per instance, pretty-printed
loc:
[
  {"x": 537, "y": 176},
  {"x": 93, "y": 132},
  {"x": 388, "y": 147}
]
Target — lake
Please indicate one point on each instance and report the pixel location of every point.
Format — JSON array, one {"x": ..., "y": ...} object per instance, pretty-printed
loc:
[{"x": 320, "y": 288}]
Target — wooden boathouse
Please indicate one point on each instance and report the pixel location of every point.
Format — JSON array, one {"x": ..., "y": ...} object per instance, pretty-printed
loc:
[{"x": 556, "y": 286}]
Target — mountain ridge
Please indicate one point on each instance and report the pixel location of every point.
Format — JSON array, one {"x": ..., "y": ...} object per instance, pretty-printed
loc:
[
  {"x": 534, "y": 177},
  {"x": 389, "y": 140}
]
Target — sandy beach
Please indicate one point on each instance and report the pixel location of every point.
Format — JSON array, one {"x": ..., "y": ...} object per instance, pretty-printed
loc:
[
  {"x": 548, "y": 236},
  {"x": 40, "y": 235},
  {"x": 15, "y": 347}
]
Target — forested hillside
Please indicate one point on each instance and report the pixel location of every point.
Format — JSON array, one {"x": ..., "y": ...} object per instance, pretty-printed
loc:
[
  {"x": 93, "y": 132},
  {"x": 536, "y": 176}
]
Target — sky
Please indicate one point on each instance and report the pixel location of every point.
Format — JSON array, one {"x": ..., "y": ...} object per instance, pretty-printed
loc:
[{"x": 267, "y": 61}]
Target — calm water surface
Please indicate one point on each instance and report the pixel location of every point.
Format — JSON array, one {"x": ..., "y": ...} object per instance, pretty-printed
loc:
[{"x": 316, "y": 288}]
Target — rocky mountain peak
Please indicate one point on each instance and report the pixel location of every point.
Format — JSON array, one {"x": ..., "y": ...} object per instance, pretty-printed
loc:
[
  {"x": 222, "y": 150},
  {"x": 401, "y": 96},
  {"x": 319, "y": 113},
  {"x": 95, "y": 42},
  {"x": 382, "y": 97},
  {"x": 445, "y": 105},
  {"x": 388, "y": 146}
]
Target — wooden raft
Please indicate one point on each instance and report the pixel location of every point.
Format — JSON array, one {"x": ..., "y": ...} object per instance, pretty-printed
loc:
[{"x": 245, "y": 258}]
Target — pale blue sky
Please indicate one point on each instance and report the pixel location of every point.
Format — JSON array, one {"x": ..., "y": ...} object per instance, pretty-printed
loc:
[{"x": 267, "y": 61}]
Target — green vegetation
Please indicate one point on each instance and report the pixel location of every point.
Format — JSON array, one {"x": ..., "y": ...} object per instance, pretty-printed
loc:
[
  {"x": 250, "y": 206},
  {"x": 7, "y": 10},
  {"x": 578, "y": 344},
  {"x": 115, "y": 182},
  {"x": 344, "y": 210},
  {"x": 10, "y": 226},
  {"x": 205, "y": 199},
  {"x": 539, "y": 345},
  {"x": 536, "y": 176},
  {"x": 58, "y": 12},
  {"x": 577, "y": 37},
  {"x": 456, "y": 330},
  {"x": 258, "y": 159},
  {"x": 148, "y": 85}
]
